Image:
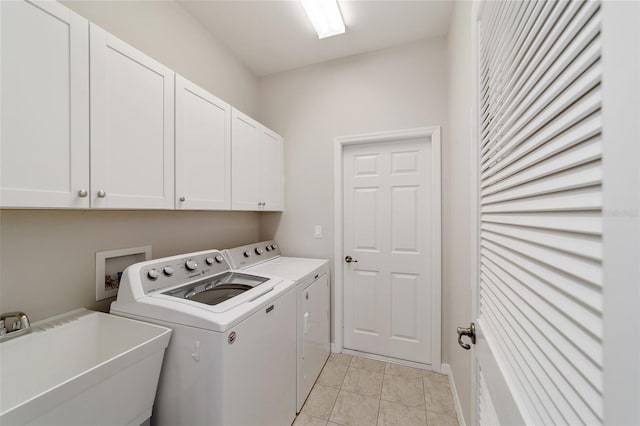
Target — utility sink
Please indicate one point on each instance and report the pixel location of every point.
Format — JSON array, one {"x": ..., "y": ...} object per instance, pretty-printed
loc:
[{"x": 81, "y": 368}]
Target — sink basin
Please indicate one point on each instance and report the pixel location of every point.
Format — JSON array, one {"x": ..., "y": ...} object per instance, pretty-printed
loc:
[{"x": 81, "y": 368}]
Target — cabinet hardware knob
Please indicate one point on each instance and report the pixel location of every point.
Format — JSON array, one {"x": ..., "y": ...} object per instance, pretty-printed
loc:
[
  {"x": 102, "y": 194},
  {"x": 182, "y": 199},
  {"x": 82, "y": 193}
]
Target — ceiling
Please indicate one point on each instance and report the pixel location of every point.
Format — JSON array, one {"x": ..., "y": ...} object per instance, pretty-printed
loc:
[{"x": 271, "y": 36}]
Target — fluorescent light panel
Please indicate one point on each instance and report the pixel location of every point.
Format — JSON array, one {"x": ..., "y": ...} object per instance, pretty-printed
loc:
[{"x": 325, "y": 17}]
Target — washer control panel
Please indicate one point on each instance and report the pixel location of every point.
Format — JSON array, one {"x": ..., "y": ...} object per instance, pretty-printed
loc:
[
  {"x": 241, "y": 257},
  {"x": 171, "y": 271}
]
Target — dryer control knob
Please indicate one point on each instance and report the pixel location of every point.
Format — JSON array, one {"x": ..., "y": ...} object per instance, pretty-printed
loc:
[
  {"x": 168, "y": 271},
  {"x": 273, "y": 246},
  {"x": 153, "y": 274},
  {"x": 219, "y": 258},
  {"x": 259, "y": 251},
  {"x": 247, "y": 254},
  {"x": 209, "y": 260},
  {"x": 268, "y": 248},
  {"x": 191, "y": 265}
]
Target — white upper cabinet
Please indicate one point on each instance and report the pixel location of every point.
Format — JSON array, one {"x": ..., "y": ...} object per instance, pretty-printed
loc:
[
  {"x": 256, "y": 154},
  {"x": 132, "y": 127},
  {"x": 44, "y": 159},
  {"x": 203, "y": 149},
  {"x": 271, "y": 170}
]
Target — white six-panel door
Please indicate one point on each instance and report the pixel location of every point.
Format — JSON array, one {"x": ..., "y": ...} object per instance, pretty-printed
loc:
[
  {"x": 203, "y": 149},
  {"x": 132, "y": 126},
  {"x": 387, "y": 204},
  {"x": 45, "y": 106}
]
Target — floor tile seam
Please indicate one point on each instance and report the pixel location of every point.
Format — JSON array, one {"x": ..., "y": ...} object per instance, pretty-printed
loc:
[
  {"x": 400, "y": 403},
  {"x": 365, "y": 369}
]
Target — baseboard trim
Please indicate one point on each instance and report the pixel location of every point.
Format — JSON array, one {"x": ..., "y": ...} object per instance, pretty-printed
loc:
[{"x": 446, "y": 369}]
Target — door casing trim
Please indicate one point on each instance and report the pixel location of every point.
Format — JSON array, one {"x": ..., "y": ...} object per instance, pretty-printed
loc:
[{"x": 433, "y": 134}]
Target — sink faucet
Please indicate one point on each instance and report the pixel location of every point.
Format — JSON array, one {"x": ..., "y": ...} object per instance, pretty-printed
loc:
[{"x": 21, "y": 323}]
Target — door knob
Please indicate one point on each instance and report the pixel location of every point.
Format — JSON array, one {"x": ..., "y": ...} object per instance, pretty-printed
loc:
[
  {"x": 471, "y": 332},
  {"x": 350, "y": 259}
]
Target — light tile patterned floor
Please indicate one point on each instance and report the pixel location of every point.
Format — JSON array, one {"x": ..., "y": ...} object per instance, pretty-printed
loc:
[{"x": 354, "y": 391}]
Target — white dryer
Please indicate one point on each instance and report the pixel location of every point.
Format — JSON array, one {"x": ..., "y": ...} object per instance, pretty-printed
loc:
[
  {"x": 311, "y": 277},
  {"x": 232, "y": 354}
]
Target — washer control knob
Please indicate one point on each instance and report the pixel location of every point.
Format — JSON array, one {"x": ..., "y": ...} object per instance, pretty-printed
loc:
[
  {"x": 247, "y": 253},
  {"x": 273, "y": 246},
  {"x": 259, "y": 251},
  {"x": 209, "y": 260},
  {"x": 268, "y": 248},
  {"x": 168, "y": 271},
  {"x": 153, "y": 274},
  {"x": 191, "y": 265},
  {"x": 219, "y": 258}
]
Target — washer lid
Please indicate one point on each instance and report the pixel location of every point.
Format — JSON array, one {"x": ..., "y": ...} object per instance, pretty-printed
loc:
[{"x": 291, "y": 268}]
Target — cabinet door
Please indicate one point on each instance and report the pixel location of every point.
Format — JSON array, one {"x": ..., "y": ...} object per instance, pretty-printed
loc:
[
  {"x": 245, "y": 162},
  {"x": 203, "y": 149},
  {"x": 132, "y": 123},
  {"x": 44, "y": 122},
  {"x": 271, "y": 172}
]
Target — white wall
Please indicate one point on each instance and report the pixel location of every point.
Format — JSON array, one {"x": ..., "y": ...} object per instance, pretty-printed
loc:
[
  {"x": 457, "y": 186},
  {"x": 396, "y": 88},
  {"x": 47, "y": 261}
]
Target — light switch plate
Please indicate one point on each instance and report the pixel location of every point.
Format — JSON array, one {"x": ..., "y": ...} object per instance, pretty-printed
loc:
[{"x": 317, "y": 231}]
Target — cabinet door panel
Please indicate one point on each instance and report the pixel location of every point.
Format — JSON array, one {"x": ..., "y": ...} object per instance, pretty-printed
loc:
[
  {"x": 45, "y": 103},
  {"x": 271, "y": 170},
  {"x": 245, "y": 157},
  {"x": 203, "y": 149},
  {"x": 131, "y": 126}
]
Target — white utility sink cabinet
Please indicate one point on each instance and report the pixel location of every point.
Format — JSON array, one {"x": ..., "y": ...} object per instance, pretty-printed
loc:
[
  {"x": 256, "y": 155},
  {"x": 81, "y": 368},
  {"x": 88, "y": 121}
]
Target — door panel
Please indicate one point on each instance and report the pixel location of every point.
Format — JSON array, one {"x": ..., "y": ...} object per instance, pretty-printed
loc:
[
  {"x": 387, "y": 224},
  {"x": 203, "y": 149},
  {"x": 132, "y": 126},
  {"x": 271, "y": 170},
  {"x": 45, "y": 105},
  {"x": 245, "y": 157}
]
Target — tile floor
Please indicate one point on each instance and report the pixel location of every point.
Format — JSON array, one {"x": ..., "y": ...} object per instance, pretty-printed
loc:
[{"x": 359, "y": 391}]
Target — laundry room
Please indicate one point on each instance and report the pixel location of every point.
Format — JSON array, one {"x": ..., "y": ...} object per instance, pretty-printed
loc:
[{"x": 401, "y": 220}]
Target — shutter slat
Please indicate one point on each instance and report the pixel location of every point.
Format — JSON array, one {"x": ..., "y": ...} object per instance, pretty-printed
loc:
[
  {"x": 582, "y": 302},
  {"x": 577, "y": 199},
  {"x": 538, "y": 149},
  {"x": 584, "y": 269},
  {"x": 582, "y": 176},
  {"x": 575, "y": 156},
  {"x": 588, "y": 246}
]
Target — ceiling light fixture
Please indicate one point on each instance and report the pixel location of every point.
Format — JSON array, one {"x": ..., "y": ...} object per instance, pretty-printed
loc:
[{"x": 325, "y": 17}]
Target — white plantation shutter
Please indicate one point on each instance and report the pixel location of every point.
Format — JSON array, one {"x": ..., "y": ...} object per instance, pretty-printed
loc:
[{"x": 541, "y": 204}]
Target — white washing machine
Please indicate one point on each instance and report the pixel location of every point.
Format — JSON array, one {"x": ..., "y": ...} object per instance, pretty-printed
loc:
[
  {"x": 313, "y": 306},
  {"x": 231, "y": 357}
]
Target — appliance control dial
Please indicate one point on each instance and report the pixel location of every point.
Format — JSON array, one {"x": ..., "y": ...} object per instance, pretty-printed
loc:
[
  {"x": 268, "y": 248},
  {"x": 152, "y": 274},
  {"x": 219, "y": 258},
  {"x": 168, "y": 271},
  {"x": 273, "y": 246},
  {"x": 258, "y": 251},
  {"x": 191, "y": 265},
  {"x": 247, "y": 253},
  {"x": 209, "y": 260}
]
